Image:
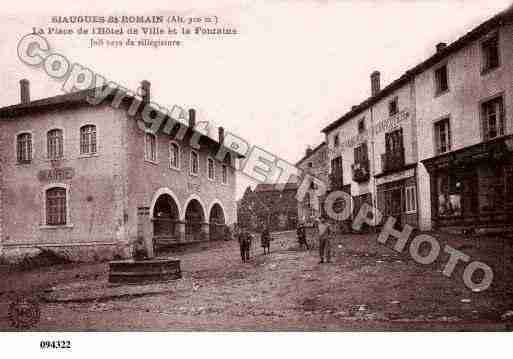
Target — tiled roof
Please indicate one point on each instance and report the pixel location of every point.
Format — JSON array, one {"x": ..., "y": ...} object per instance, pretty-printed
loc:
[
  {"x": 269, "y": 187},
  {"x": 78, "y": 98}
]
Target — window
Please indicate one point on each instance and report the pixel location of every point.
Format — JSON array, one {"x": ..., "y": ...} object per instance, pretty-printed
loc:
[
  {"x": 442, "y": 136},
  {"x": 150, "y": 147},
  {"x": 194, "y": 163},
  {"x": 56, "y": 206},
  {"x": 55, "y": 144},
  {"x": 490, "y": 50},
  {"x": 361, "y": 153},
  {"x": 361, "y": 126},
  {"x": 310, "y": 164},
  {"x": 211, "y": 169},
  {"x": 492, "y": 113},
  {"x": 337, "y": 178},
  {"x": 225, "y": 174},
  {"x": 448, "y": 189},
  {"x": 308, "y": 202},
  {"x": 411, "y": 199},
  {"x": 88, "y": 139},
  {"x": 392, "y": 107},
  {"x": 441, "y": 80},
  {"x": 24, "y": 148},
  {"x": 174, "y": 155},
  {"x": 336, "y": 140},
  {"x": 324, "y": 155},
  {"x": 394, "y": 142}
]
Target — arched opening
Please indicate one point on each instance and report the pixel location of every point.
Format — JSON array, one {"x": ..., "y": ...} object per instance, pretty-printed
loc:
[
  {"x": 194, "y": 218},
  {"x": 217, "y": 222},
  {"x": 165, "y": 217}
]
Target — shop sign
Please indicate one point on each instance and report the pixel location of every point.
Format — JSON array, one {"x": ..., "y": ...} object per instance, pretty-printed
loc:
[
  {"x": 56, "y": 174},
  {"x": 395, "y": 177}
]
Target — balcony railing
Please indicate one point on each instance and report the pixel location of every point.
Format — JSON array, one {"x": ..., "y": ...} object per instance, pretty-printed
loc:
[
  {"x": 361, "y": 171},
  {"x": 392, "y": 161}
]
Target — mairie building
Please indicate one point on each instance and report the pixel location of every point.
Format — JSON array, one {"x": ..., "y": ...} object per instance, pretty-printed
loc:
[{"x": 87, "y": 179}]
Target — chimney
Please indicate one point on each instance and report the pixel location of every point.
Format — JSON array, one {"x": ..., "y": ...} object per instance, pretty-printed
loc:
[
  {"x": 24, "y": 91},
  {"x": 145, "y": 91},
  {"x": 192, "y": 118},
  {"x": 440, "y": 46},
  {"x": 375, "y": 83},
  {"x": 309, "y": 150},
  {"x": 221, "y": 134}
]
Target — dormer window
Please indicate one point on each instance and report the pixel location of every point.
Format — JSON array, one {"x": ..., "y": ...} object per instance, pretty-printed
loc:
[
  {"x": 393, "y": 108},
  {"x": 361, "y": 125},
  {"x": 490, "y": 51},
  {"x": 441, "y": 80},
  {"x": 336, "y": 140}
]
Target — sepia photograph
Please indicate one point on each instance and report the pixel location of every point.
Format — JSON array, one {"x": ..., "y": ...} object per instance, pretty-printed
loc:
[{"x": 263, "y": 167}]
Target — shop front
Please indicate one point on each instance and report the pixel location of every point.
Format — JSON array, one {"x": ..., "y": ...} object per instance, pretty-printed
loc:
[
  {"x": 397, "y": 197},
  {"x": 473, "y": 187}
]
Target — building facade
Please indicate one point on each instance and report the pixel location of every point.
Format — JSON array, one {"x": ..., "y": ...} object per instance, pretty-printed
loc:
[
  {"x": 465, "y": 104},
  {"x": 314, "y": 163},
  {"x": 273, "y": 205},
  {"x": 79, "y": 176},
  {"x": 373, "y": 155}
]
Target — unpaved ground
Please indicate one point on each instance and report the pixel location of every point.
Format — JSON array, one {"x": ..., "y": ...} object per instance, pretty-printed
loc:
[{"x": 367, "y": 287}]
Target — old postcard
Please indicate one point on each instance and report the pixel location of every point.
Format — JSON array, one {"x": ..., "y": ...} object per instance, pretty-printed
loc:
[{"x": 256, "y": 166}]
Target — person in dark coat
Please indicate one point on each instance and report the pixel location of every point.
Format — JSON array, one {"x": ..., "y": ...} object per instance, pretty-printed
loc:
[
  {"x": 245, "y": 239},
  {"x": 265, "y": 240},
  {"x": 301, "y": 236}
]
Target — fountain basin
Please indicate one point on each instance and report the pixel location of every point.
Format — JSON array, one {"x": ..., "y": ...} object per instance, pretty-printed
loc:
[{"x": 155, "y": 270}]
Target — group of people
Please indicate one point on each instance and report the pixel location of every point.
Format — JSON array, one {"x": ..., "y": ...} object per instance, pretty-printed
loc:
[{"x": 325, "y": 228}]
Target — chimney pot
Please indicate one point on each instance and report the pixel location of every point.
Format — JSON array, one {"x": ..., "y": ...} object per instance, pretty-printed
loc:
[
  {"x": 24, "y": 91},
  {"x": 309, "y": 150},
  {"x": 192, "y": 118},
  {"x": 440, "y": 46},
  {"x": 221, "y": 134},
  {"x": 375, "y": 82},
  {"x": 145, "y": 91}
]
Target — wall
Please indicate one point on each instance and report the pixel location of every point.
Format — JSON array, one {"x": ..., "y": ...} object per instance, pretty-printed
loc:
[
  {"x": 95, "y": 198},
  {"x": 320, "y": 170},
  {"x": 146, "y": 178}
]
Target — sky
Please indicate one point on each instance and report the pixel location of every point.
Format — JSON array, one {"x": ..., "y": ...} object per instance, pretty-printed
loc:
[{"x": 293, "y": 68}]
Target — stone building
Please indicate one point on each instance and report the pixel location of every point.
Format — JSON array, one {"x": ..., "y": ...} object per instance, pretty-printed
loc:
[
  {"x": 314, "y": 163},
  {"x": 373, "y": 154},
  {"x": 269, "y": 204},
  {"x": 434, "y": 148},
  {"x": 464, "y": 101},
  {"x": 78, "y": 176}
]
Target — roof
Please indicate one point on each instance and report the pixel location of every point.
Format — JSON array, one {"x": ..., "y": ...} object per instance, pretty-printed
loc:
[
  {"x": 270, "y": 187},
  {"x": 503, "y": 17},
  {"x": 74, "y": 99},
  {"x": 311, "y": 153}
]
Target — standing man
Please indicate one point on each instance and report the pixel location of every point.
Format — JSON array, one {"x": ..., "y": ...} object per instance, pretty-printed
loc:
[
  {"x": 265, "y": 240},
  {"x": 244, "y": 238},
  {"x": 326, "y": 231},
  {"x": 301, "y": 236}
]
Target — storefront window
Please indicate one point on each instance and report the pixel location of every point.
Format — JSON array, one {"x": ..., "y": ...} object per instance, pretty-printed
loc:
[{"x": 449, "y": 195}]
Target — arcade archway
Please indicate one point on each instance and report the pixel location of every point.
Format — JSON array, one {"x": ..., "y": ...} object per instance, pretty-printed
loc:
[
  {"x": 165, "y": 217},
  {"x": 194, "y": 218},
  {"x": 217, "y": 222}
]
